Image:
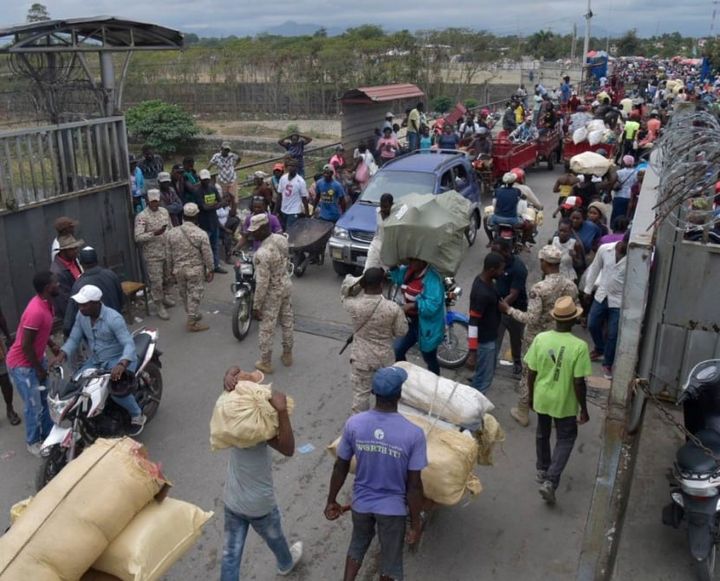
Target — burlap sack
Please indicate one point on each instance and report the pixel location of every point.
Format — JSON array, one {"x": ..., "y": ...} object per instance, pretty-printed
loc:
[
  {"x": 490, "y": 434},
  {"x": 153, "y": 541},
  {"x": 451, "y": 459},
  {"x": 72, "y": 520},
  {"x": 244, "y": 417}
]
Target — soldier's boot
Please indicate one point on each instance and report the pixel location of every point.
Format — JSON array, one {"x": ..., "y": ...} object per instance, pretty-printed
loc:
[
  {"x": 287, "y": 358},
  {"x": 162, "y": 313},
  {"x": 265, "y": 364},
  {"x": 168, "y": 301},
  {"x": 521, "y": 414},
  {"x": 194, "y": 326}
]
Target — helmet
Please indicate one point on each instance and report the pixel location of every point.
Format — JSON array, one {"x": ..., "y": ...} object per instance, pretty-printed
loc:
[{"x": 519, "y": 174}]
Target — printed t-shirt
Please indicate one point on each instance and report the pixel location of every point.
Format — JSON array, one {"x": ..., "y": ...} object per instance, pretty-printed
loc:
[
  {"x": 558, "y": 359},
  {"x": 292, "y": 190},
  {"x": 330, "y": 193},
  {"x": 386, "y": 446}
]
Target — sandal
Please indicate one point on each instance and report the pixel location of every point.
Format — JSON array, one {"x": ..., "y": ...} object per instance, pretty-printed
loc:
[{"x": 13, "y": 418}]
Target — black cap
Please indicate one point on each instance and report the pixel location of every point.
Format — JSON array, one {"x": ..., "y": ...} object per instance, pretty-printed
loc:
[{"x": 88, "y": 256}]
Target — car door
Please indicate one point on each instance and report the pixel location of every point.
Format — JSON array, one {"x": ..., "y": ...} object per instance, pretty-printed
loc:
[{"x": 464, "y": 182}]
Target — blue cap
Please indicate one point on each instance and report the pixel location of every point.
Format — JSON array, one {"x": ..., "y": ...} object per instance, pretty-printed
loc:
[{"x": 387, "y": 382}]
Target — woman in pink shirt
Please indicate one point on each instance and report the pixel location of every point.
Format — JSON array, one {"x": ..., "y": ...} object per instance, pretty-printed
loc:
[
  {"x": 387, "y": 145},
  {"x": 26, "y": 361}
]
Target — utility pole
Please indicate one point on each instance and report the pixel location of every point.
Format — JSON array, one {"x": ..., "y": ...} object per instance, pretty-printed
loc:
[
  {"x": 574, "y": 43},
  {"x": 586, "y": 44}
]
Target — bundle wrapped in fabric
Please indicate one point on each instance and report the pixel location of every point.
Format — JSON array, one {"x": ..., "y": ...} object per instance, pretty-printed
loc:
[
  {"x": 589, "y": 162},
  {"x": 244, "y": 417},
  {"x": 451, "y": 455},
  {"x": 429, "y": 227},
  {"x": 441, "y": 397},
  {"x": 72, "y": 520},
  {"x": 490, "y": 434},
  {"x": 153, "y": 541}
]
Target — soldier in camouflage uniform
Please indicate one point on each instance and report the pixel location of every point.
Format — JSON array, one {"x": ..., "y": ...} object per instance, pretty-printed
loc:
[
  {"x": 537, "y": 318},
  {"x": 273, "y": 292},
  {"x": 191, "y": 261},
  {"x": 377, "y": 321},
  {"x": 151, "y": 230}
]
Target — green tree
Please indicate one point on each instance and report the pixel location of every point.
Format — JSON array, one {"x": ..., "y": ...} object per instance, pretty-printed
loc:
[
  {"x": 471, "y": 103},
  {"x": 628, "y": 44},
  {"x": 164, "y": 127},
  {"x": 38, "y": 13},
  {"x": 441, "y": 104}
]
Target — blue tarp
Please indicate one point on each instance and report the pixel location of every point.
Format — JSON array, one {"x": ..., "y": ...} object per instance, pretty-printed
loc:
[{"x": 598, "y": 64}]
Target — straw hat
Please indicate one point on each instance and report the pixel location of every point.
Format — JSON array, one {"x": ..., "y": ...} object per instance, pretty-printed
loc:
[{"x": 565, "y": 309}]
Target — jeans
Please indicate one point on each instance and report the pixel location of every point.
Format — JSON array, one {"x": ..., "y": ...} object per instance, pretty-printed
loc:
[
  {"x": 566, "y": 433},
  {"x": 391, "y": 534},
  {"x": 515, "y": 329},
  {"x": 485, "y": 366},
  {"x": 214, "y": 236},
  {"x": 288, "y": 220},
  {"x": 37, "y": 417},
  {"x": 269, "y": 527},
  {"x": 619, "y": 208},
  {"x": 403, "y": 345},
  {"x": 413, "y": 141},
  {"x": 512, "y": 220},
  {"x": 127, "y": 402},
  {"x": 599, "y": 313}
]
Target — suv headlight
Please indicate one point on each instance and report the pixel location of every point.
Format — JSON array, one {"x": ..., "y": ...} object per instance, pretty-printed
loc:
[
  {"x": 58, "y": 408},
  {"x": 340, "y": 232}
]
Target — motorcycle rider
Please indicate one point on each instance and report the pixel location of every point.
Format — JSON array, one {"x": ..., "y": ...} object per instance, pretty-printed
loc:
[
  {"x": 110, "y": 347},
  {"x": 505, "y": 203}
]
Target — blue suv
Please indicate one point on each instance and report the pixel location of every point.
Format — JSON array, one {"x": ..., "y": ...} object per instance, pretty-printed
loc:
[{"x": 418, "y": 172}]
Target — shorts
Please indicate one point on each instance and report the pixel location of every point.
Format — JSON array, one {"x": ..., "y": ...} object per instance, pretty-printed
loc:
[{"x": 391, "y": 534}]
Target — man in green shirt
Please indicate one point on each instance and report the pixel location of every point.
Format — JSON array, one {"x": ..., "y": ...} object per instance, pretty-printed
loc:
[{"x": 558, "y": 363}]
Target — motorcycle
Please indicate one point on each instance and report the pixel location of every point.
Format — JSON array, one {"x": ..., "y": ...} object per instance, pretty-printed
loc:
[
  {"x": 696, "y": 493},
  {"x": 243, "y": 290},
  {"x": 509, "y": 232},
  {"x": 453, "y": 352},
  {"x": 82, "y": 410}
]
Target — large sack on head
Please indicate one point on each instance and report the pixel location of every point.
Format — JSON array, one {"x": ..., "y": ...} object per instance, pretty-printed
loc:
[
  {"x": 244, "y": 417},
  {"x": 153, "y": 541},
  {"x": 451, "y": 459},
  {"x": 72, "y": 520},
  {"x": 442, "y": 397}
]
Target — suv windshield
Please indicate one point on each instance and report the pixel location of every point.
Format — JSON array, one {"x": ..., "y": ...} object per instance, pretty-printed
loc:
[{"x": 399, "y": 184}]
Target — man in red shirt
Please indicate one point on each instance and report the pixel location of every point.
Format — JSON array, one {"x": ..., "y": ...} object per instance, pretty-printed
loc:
[
  {"x": 26, "y": 360},
  {"x": 67, "y": 270}
]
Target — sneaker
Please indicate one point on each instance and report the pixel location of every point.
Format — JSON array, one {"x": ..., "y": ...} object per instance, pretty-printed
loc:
[
  {"x": 541, "y": 476},
  {"x": 596, "y": 355},
  {"x": 137, "y": 424},
  {"x": 296, "y": 553},
  {"x": 220, "y": 270},
  {"x": 162, "y": 313},
  {"x": 34, "y": 449},
  {"x": 547, "y": 491},
  {"x": 607, "y": 372}
]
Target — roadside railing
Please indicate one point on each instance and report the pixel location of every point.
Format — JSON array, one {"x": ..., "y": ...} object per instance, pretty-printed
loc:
[{"x": 39, "y": 164}]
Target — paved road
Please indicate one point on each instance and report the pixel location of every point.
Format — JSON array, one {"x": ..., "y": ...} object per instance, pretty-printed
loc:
[{"x": 505, "y": 533}]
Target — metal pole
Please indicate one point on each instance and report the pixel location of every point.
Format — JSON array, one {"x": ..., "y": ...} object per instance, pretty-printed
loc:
[
  {"x": 586, "y": 44},
  {"x": 107, "y": 76}
]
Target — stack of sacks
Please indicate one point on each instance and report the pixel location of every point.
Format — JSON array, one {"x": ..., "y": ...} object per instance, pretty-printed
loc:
[
  {"x": 100, "y": 511},
  {"x": 244, "y": 417},
  {"x": 594, "y": 132}
]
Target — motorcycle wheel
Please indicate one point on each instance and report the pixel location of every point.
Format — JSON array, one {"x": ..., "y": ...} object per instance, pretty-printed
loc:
[
  {"x": 50, "y": 467},
  {"x": 705, "y": 569},
  {"x": 149, "y": 393},
  {"x": 242, "y": 316},
  {"x": 453, "y": 352}
]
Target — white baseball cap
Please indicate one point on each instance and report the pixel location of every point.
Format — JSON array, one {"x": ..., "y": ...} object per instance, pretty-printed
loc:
[
  {"x": 204, "y": 174},
  {"x": 87, "y": 294}
]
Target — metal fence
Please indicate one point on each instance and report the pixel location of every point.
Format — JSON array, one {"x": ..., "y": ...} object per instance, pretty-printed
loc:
[{"x": 39, "y": 164}]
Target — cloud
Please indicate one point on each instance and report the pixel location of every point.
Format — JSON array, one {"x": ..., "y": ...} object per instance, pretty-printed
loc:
[{"x": 224, "y": 17}]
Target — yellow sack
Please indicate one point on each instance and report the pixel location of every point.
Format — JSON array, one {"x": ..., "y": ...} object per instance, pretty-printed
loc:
[
  {"x": 153, "y": 541},
  {"x": 451, "y": 459},
  {"x": 244, "y": 417},
  {"x": 72, "y": 520},
  {"x": 487, "y": 438},
  {"x": 18, "y": 508}
]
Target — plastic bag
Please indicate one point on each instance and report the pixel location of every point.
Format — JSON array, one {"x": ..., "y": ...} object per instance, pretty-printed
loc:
[
  {"x": 579, "y": 135},
  {"x": 153, "y": 541},
  {"x": 596, "y": 125},
  {"x": 595, "y": 137},
  {"x": 71, "y": 521},
  {"x": 244, "y": 417}
]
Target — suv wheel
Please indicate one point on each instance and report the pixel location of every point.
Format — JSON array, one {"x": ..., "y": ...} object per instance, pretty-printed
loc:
[
  {"x": 473, "y": 227},
  {"x": 342, "y": 269}
]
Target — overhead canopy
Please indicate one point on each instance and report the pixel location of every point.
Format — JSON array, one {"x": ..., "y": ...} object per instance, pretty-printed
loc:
[
  {"x": 382, "y": 94},
  {"x": 98, "y": 34}
]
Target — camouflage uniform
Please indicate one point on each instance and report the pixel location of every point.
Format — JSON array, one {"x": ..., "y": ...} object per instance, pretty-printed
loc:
[
  {"x": 155, "y": 251},
  {"x": 273, "y": 294},
  {"x": 372, "y": 348},
  {"x": 190, "y": 258},
  {"x": 537, "y": 319}
]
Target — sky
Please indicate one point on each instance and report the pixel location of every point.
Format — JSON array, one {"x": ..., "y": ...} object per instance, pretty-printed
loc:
[{"x": 244, "y": 17}]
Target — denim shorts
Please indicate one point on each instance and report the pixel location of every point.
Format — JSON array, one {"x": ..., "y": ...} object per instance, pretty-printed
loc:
[{"x": 391, "y": 534}]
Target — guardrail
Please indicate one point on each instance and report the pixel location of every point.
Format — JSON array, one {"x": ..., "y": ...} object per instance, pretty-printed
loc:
[{"x": 42, "y": 163}]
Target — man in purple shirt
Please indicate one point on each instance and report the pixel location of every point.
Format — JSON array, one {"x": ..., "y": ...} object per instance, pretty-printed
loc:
[
  {"x": 258, "y": 206},
  {"x": 390, "y": 452}
]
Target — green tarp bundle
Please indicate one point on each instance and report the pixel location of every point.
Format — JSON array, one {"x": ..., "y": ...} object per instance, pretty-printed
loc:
[{"x": 429, "y": 227}]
